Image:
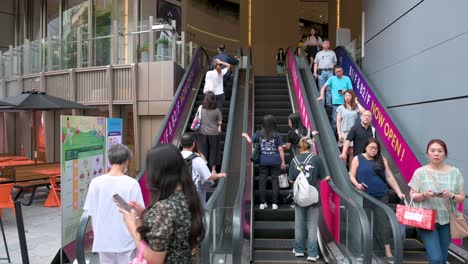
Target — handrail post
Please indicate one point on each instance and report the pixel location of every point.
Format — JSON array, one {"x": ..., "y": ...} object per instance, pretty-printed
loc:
[
  {"x": 151, "y": 39},
  {"x": 79, "y": 47},
  {"x": 25, "y": 55},
  {"x": 49, "y": 51},
  {"x": 190, "y": 51},
  {"x": 1, "y": 66},
  {"x": 10, "y": 60},
  {"x": 114, "y": 46},
  {"x": 174, "y": 40},
  {"x": 182, "y": 55}
]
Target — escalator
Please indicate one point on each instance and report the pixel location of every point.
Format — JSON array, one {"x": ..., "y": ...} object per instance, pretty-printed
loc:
[
  {"x": 187, "y": 99},
  {"x": 266, "y": 236},
  {"x": 411, "y": 249}
]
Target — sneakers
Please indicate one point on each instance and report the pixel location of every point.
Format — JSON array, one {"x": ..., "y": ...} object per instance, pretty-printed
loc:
[
  {"x": 263, "y": 206},
  {"x": 312, "y": 259},
  {"x": 274, "y": 206},
  {"x": 297, "y": 254}
]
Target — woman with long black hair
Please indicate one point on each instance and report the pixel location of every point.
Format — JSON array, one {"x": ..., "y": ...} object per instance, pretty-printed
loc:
[
  {"x": 297, "y": 131},
  {"x": 172, "y": 225},
  {"x": 271, "y": 158}
]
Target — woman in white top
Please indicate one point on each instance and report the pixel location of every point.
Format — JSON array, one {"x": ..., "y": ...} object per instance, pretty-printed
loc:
[
  {"x": 312, "y": 46},
  {"x": 346, "y": 116}
]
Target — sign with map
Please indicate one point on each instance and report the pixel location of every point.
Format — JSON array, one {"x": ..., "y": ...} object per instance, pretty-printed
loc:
[{"x": 83, "y": 147}]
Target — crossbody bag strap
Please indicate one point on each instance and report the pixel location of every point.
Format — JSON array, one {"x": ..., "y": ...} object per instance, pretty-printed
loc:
[{"x": 446, "y": 202}]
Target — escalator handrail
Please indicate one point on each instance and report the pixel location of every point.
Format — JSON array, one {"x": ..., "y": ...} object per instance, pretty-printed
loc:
[
  {"x": 173, "y": 103},
  {"x": 220, "y": 188},
  {"x": 238, "y": 217},
  {"x": 80, "y": 238},
  {"x": 339, "y": 169},
  {"x": 364, "y": 223}
]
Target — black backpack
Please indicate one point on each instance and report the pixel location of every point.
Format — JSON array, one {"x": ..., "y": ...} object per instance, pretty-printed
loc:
[{"x": 188, "y": 161}]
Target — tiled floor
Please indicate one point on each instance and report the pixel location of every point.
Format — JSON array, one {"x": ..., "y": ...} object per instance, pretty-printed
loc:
[{"x": 42, "y": 226}]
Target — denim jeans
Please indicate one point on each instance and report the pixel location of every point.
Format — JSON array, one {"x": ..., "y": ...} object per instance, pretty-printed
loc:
[
  {"x": 274, "y": 171},
  {"x": 333, "y": 121},
  {"x": 322, "y": 79},
  {"x": 436, "y": 243},
  {"x": 305, "y": 229}
]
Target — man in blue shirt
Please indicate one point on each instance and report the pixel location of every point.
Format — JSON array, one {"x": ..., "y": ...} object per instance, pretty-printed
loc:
[
  {"x": 338, "y": 85},
  {"x": 224, "y": 57}
]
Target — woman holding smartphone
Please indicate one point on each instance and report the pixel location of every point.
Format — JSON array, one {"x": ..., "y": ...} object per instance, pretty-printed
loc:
[
  {"x": 437, "y": 186},
  {"x": 370, "y": 173},
  {"x": 172, "y": 225}
]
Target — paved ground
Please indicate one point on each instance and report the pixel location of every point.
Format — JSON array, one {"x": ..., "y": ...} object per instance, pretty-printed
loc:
[{"x": 43, "y": 229}]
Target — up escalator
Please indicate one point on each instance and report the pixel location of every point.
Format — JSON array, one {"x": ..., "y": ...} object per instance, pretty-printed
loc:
[
  {"x": 405, "y": 243},
  {"x": 187, "y": 99}
]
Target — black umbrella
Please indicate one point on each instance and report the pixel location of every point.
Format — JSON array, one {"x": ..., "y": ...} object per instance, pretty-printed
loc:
[
  {"x": 5, "y": 105},
  {"x": 39, "y": 101}
]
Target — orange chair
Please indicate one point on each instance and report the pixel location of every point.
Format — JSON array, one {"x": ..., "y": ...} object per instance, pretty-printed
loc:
[{"x": 5, "y": 197}]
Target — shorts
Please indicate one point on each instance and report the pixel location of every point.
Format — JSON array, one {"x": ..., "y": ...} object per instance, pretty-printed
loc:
[{"x": 345, "y": 135}]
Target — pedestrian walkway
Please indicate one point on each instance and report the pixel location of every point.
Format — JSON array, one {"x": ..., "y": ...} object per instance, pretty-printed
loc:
[{"x": 42, "y": 226}]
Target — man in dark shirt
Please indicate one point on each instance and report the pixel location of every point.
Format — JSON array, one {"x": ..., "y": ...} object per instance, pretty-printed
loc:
[
  {"x": 224, "y": 57},
  {"x": 359, "y": 135}
]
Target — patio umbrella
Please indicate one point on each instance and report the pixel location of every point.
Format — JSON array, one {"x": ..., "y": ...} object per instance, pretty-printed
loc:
[
  {"x": 39, "y": 101},
  {"x": 5, "y": 105}
]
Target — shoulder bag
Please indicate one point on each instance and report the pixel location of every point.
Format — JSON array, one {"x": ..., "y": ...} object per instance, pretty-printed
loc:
[{"x": 458, "y": 221}]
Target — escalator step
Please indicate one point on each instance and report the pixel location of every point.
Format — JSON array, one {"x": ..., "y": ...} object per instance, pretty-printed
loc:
[
  {"x": 278, "y": 256},
  {"x": 272, "y": 92},
  {"x": 276, "y": 104},
  {"x": 269, "y": 79},
  {"x": 284, "y": 244},
  {"x": 284, "y": 213},
  {"x": 261, "y": 86},
  {"x": 274, "y": 229}
]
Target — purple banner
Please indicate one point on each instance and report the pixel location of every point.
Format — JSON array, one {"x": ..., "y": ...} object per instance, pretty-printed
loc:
[
  {"x": 391, "y": 137},
  {"x": 330, "y": 200},
  {"x": 170, "y": 127}
]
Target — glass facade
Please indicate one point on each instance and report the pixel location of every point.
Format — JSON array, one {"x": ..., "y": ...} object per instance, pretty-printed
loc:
[{"x": 63, "y": 34}]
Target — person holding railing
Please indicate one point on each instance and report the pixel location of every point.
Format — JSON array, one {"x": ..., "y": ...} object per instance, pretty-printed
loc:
[
  {"x": 370, "y": 173},
  {"x": 224, "y": 57},
  {"x": 271, "y": 158},
  {"x": 437, "y": 186},
  {"x": 359, "y": 134},
  {"x": 337, "y": 85}
]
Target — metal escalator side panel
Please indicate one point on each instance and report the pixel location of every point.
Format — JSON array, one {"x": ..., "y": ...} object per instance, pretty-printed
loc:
[{"x": 241, "y": 222}]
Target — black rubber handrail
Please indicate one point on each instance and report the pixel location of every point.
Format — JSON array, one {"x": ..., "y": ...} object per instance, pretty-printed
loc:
[
  {"x": 239, "y": 206},
  {"x": 80, "y": 238},
  {"x": 337, "y": 167},
  {"x": 217, "y": 199},
  {"x": 322, "y": 139}
]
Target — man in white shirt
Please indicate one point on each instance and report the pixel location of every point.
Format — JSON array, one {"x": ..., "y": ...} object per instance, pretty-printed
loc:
[
  {"x": 112, "y": 241},
  {"x": 216, "y": 78},
  {"x": 325, "y": 60},
  {"x": 201, "y": 175}
]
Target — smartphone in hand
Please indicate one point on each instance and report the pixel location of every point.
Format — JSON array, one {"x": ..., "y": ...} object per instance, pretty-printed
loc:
[{"x": 121, "y": 202}]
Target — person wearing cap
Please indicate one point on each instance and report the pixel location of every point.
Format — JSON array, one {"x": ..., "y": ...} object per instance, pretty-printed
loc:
[
  {"x": 216, "y": 78},
  {"x": 224, "y": 57}
]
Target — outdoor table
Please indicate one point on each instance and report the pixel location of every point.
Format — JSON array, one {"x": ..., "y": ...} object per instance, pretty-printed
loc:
[
  {"x": 53, "y": 174},
  {"x": 15, "y": 163}
]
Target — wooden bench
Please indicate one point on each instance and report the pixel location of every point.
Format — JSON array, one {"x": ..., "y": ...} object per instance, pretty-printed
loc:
[{"x": 26, "y": 180}]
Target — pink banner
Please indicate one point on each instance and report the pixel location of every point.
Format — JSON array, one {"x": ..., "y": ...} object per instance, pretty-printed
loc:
[{"x": 330, "y": 200}]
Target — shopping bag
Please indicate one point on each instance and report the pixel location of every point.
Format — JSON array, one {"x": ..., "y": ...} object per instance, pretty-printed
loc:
[
  {"x": 197, "y": 120},
  {"x": 416, "y": 216},
  {"x": 139, "y": 259},
  {"x": 283, "y": 180}
]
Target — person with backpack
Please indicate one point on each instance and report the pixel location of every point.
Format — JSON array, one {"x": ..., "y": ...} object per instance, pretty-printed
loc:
[
  {"x": 370, "y": 173},
  {"x": 304, "y": 172},
  {"x": 297, "y": 131},
  {"x": 271, "y": 158},
  {"x": 201, "y": 175}
]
